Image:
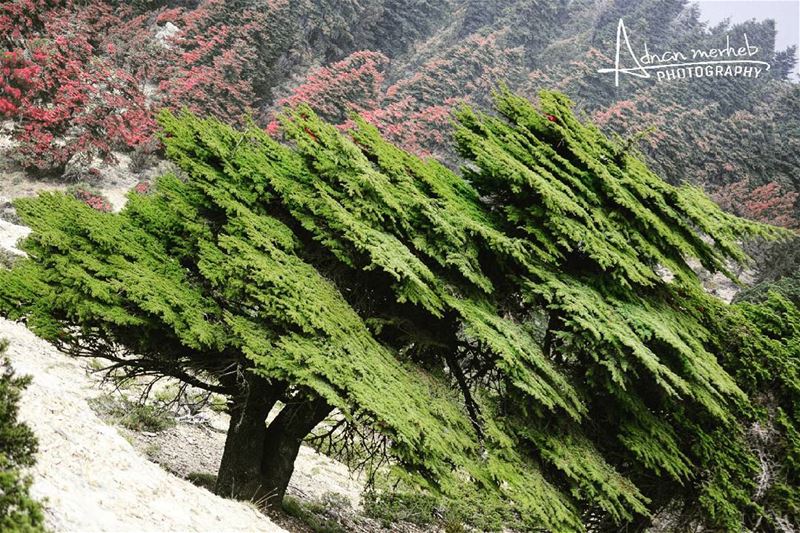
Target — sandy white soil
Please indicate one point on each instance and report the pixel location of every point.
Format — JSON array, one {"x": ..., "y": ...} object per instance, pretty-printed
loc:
[
  {"x": 114, "y": 182},
  {"x": 10, "y": 234},
  {"x": 89, "y": 476}
]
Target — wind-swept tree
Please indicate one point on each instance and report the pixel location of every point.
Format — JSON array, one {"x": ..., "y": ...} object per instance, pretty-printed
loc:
[
  {"x": 529, "y": 333},
  {"x": 762, "y": 352}
]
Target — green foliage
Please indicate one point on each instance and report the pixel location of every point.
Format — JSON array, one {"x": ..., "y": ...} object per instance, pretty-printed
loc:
[
  {"x": 404, "y": 294},
  {"x": 217, "y": 403},
  {"x": 133, "y": 415},
  {"x": 415, "y": 507},
  {"x": 763, "y": 353},
  {"x": 146, "y": 418},
  {"x": 639, "y": 345},
  {"x": 778, "y": 270},
  {"x": 392, "y": 505},
  {"x": 18, "y": 512},
  {"x": 203, "y": 479},
  {"x": 787, "y": 286},
  {"x": 312, "y": 514}
]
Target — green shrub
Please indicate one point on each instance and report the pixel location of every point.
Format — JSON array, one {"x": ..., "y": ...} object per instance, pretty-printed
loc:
[
  {"x": 18, "y": 512},
  {"x": 218, "y": 403},
  {"x": 787, "y": 286},
  {"x": 203, "y": 479},
  {"x": 146, "y": 418},
  {"x": 425, "y": 509},
  {"x": 132, "y": 415},
  {"x": 312, "y": 514},
  {"x": 152, "y": 451},
  {"x": 389, "y": 507},
  {"x": 167, "y": 394}
]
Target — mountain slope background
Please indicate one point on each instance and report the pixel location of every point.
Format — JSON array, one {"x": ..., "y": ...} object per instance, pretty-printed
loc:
[{"x": 82, "y": 80}]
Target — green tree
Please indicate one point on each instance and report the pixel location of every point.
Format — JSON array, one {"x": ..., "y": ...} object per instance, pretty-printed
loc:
[
  {"x": 778, "y": 271},
  {"x": 762, "y": 352},
  {"x": 527, "y": 335},
  {"x": 18, "y": 512}
]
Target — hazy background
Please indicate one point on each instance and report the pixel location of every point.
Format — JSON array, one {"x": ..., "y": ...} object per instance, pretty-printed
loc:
[{"x": 786, "y": 14}]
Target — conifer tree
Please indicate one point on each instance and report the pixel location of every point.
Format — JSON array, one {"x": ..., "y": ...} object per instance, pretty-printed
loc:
[
  {"x": 762, "y": 352},
  {"x": 527, "y": 334},
  {"x": 18, "y": 511}
]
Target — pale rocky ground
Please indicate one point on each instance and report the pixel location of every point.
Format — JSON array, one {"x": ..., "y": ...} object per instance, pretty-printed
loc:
[
  {"x": 722, "y": 287},
  {"x": 88, "y": 475},
  {"x": 189, "y": 448},
  {"x": 113, "y": 183},
  {"x": 10, "y": 234}
]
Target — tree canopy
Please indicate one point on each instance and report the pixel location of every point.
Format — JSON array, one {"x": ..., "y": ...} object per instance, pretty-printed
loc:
[{"x": 528, "y": 333}]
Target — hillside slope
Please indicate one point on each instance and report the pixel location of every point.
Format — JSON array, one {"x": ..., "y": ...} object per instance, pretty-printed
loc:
[{"x": 90, "y": 477}]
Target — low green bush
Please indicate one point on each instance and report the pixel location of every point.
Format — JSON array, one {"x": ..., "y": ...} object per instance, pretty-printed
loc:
[
  {"x": 203, "y": 479},
  {"x": 389, "y": 507},
  {"x": 312, "y": 514},
  {"x": 132, "y": 415},
  {"x": 18, "y": 511}
]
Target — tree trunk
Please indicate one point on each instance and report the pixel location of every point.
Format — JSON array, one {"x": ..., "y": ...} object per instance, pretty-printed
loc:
[
  {"x": 554, "y": 323},
  {"x": 239, "y": 472},
  {"x": 258, "y": 460},
  {"x": 283, "y": 439}
]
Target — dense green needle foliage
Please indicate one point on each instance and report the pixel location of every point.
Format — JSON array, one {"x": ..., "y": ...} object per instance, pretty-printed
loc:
[
  {"x": 18, "y": 511},
  {"x": 528, "y": 334}
]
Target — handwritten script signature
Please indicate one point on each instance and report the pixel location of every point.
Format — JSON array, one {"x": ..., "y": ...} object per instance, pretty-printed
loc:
[{"x": 697, "y": 63}]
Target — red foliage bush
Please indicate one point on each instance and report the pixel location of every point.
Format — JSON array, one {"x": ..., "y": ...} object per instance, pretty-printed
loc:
[
  {"x": 353, "y": 84},
  {"x": 92, "y": 199},
  {"x": 16, "y": 78},
  {"x": 223, "y": 56},
  {"x": 82, "y": 80},
  {"x": 67, "y": 101},
  {"x": 143, "y": 187},
  {"x": 208, "y": 74},
  {"x": 766, "y": 203},
  {"x": 415, "y": 111},
  {"x": 19, "y": 18}
]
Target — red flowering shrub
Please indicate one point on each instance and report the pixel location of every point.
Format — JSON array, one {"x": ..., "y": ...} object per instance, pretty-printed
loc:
[
  {"x": 208, "y": 76},
  {"x": 66, "y": 100},
  {"x": 91, "y": 198},
  {"x": 143, "y": 187},
  {"x": 423, "y": 131},
  {"x": 415, "y": 111},
  {"x": 766, "y": 203},
  {"x": 82, "y": 79},
  {"x": 223, "y": 56},
  {"x": 78, "y": 104},
  {"x": 20, "y": 18},
  {"x": 353, "y": 84},
  {"x": 16, "y": 78}
]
